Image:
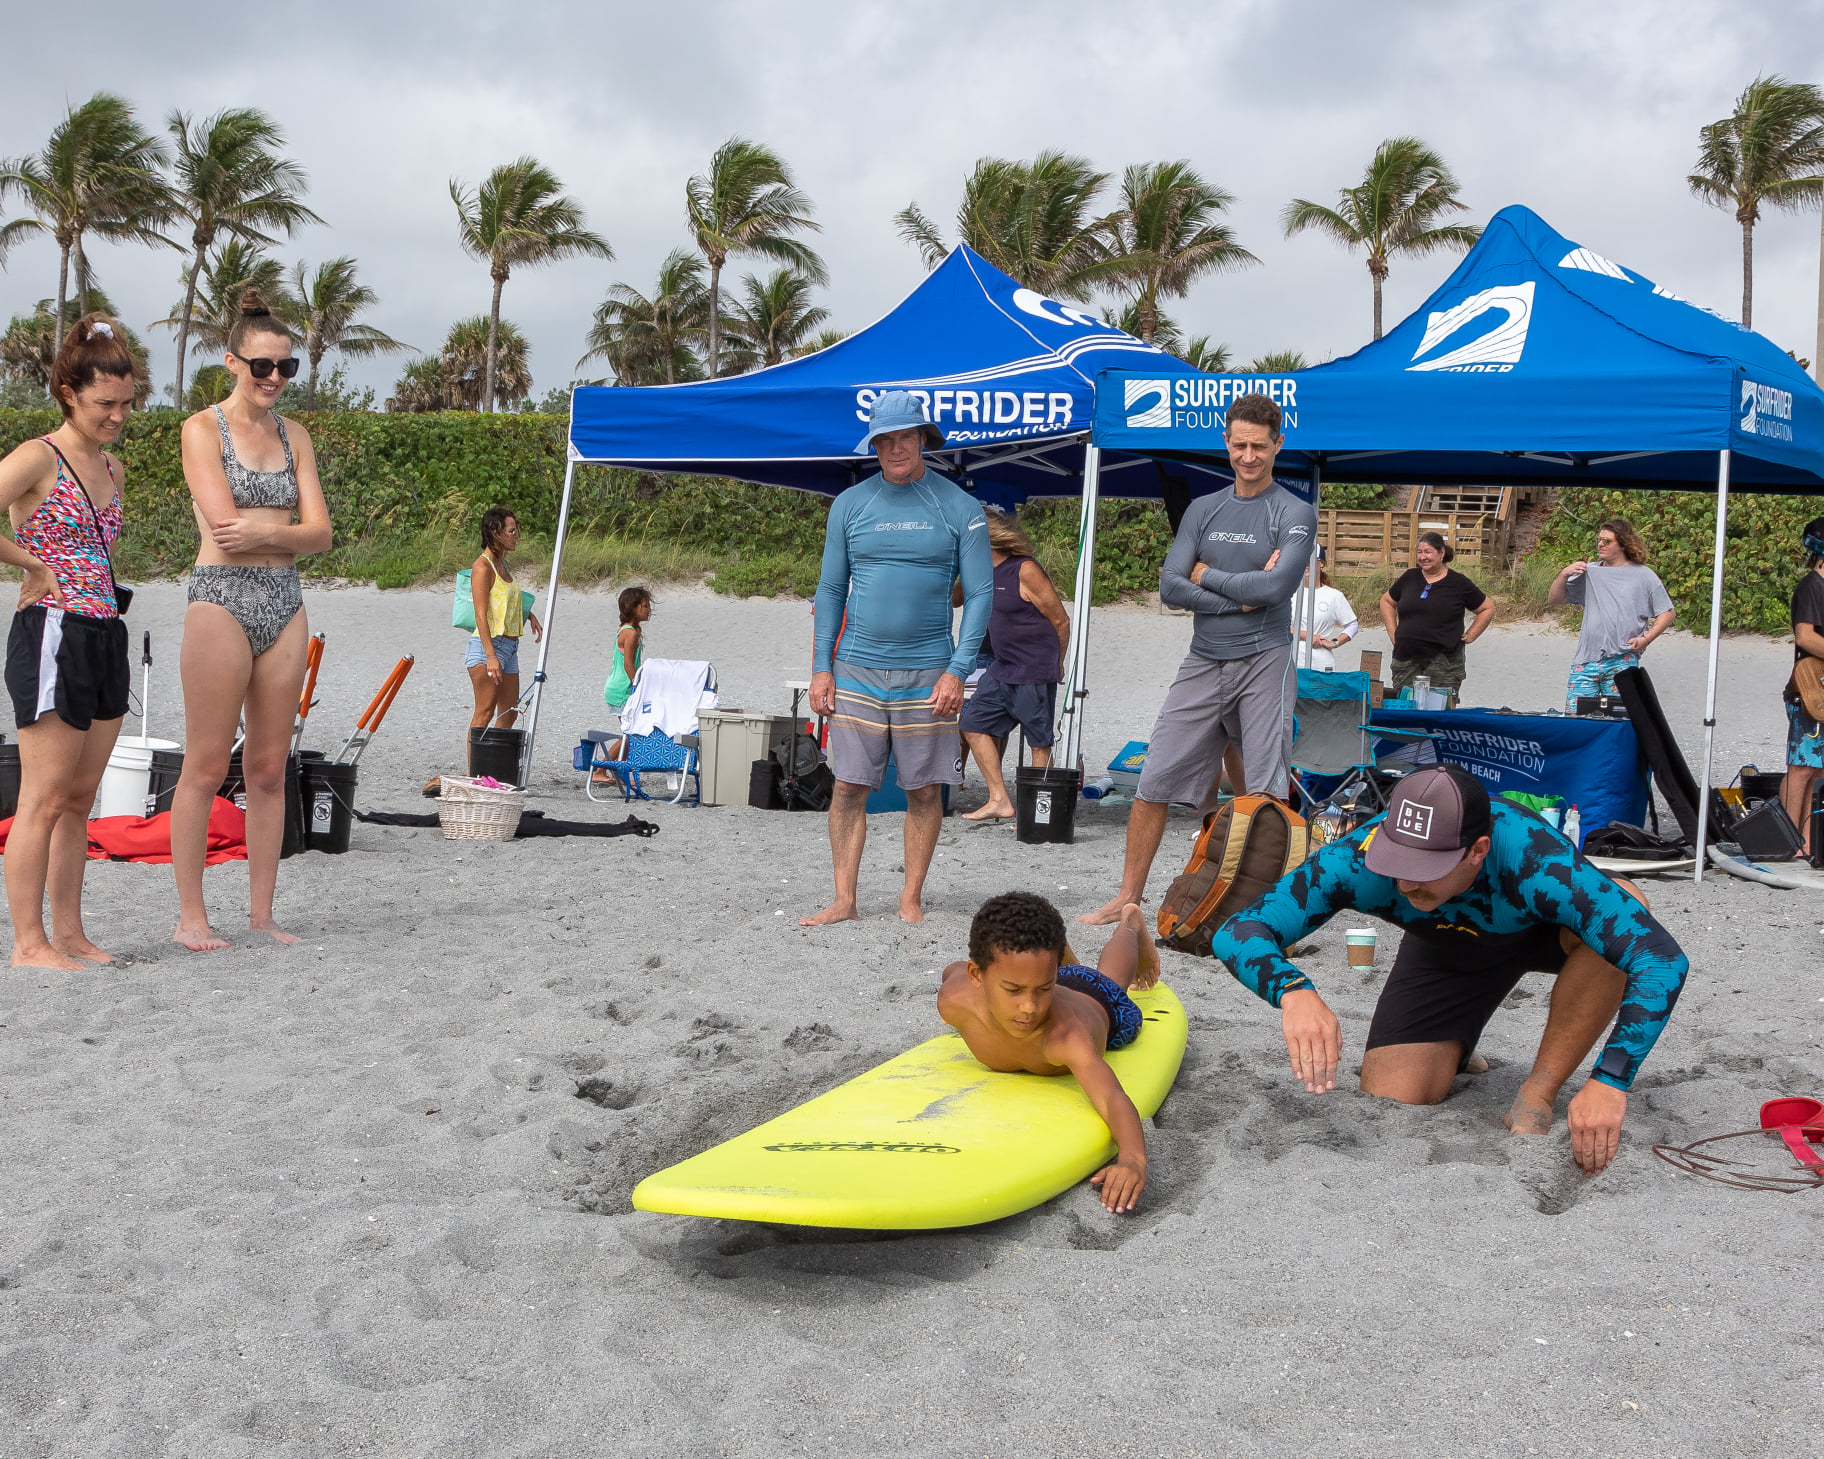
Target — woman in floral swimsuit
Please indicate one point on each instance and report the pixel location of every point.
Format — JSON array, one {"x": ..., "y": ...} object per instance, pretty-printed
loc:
[
  {"x": 245, "y": 636},
  {"x": 66, "y": 653}
]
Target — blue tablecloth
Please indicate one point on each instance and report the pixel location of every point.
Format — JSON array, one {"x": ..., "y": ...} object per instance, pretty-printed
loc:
[{"x": 1594, "y": 764}]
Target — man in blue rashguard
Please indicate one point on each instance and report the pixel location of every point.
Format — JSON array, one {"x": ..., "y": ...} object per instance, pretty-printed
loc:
[
  {"x": 895, "y": 546},
  {"x": 1486, "y": 892}
]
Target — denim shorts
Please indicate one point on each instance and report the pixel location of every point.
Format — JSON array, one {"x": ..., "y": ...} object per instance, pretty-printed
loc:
[{"x": 505, "y": 649}]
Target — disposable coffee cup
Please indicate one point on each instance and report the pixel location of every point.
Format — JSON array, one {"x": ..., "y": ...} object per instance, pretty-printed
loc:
[{"x": 1360, "y": 942}]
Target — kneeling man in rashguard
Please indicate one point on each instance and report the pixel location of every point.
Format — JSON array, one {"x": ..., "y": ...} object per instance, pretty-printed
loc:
[{"x": 1486, "y": 892}]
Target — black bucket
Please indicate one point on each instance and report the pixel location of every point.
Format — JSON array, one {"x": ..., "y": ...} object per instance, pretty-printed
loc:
[
  {"x": 9, "y": 780},
  {"x": 329, "y": 804},
  {"x": 161, "y": 780},
  {"x": 1045, "y": 804},
  {"x": 234, "y": 788},
  {"x": 496, "y": 752}
]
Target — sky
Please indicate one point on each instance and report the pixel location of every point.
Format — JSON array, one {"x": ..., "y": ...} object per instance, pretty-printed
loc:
[{"x": 1586, "y": 112}]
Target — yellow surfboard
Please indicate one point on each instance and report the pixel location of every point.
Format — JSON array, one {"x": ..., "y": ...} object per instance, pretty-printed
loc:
[{"x": 927, "y": 1140}]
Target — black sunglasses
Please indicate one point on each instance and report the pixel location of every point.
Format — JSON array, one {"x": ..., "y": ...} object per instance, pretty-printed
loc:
[{"x": 261, "y": 368}]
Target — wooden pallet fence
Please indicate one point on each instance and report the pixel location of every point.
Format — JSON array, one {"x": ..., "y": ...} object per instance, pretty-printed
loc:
[{"x": 1355, "y": 539}]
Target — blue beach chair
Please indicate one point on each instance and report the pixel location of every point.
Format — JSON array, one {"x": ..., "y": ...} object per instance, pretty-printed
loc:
[{"x": 642, "y": 755}]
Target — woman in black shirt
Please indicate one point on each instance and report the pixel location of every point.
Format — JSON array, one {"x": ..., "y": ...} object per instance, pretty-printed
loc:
[{"x": 1423, "y": 612}]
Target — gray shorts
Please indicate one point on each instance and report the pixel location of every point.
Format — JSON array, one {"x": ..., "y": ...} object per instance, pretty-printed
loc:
[
  {"x": 882, "y": 712},
  {"x": 1211, "y": 703}
]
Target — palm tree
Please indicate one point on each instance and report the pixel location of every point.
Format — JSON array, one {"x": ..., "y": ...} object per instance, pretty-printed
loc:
[
  {"x": 214, "y": 296},
  {"x": 1770, "y": 151},
  {"x": 1200, "y": 354},
  {"x": 99, "y": 173},
  {"x": 1168, "y": 233},
  {"x": 419, "y": 388},
  {"x": 822, "y": 341},
  {"x": 747, "y": 203},
  {"x": 1166, "y": 333},
  {"x": 1031, "y": 220},
  {"x": 229, "y": 179},
  {"x": 483, "y": 353},
  {"x": 647, "y": 341},
  {"x": 30, "y": 343},
  {"x": 518, "y": 216},
  {"x": 322, "y": 308},
  {"x": 1277, "y": 362},
  {"x": 775, "y": 315},
  {"x": 1395, "y": 210}
]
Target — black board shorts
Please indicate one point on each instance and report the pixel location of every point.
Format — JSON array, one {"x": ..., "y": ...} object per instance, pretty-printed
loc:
[
  {"x": 62, "y": 661},
  {"x": 1446, "y": 986}
]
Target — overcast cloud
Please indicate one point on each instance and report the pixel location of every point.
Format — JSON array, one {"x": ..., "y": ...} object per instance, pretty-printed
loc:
[{"x": 1586, "y": 112}]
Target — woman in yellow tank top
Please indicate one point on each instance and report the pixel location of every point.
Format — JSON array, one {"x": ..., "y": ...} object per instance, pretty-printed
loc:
[{"x": 492, "y": 657}]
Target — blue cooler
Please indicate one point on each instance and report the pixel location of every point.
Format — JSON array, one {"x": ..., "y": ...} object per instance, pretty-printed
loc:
[
  {"x": 1125, "y": 768},
  {"x": 890, "y": 797}
]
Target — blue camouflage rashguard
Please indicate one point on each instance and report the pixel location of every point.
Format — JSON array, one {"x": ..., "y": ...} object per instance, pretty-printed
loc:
[{"x": 1533, "y": 875}]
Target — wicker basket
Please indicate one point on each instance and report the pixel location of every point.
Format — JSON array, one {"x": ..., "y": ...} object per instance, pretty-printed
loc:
[{"x": 471, "y": 812}]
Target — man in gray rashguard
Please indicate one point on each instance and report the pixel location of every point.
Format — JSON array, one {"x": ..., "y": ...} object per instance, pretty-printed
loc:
[{"x": 1236, "y": 559}]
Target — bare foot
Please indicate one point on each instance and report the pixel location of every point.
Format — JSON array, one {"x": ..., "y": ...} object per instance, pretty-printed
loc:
[
  {"x": 1105, "y": 915},
  {"x": 202, "y": 938},
  {"x": 995, "y": 810},
  {"x": 81, "y": 947},
  {"x": 273, "y": 930},
  {"x": 835, "y": 912},
  {"x": 1529, "y": 1115},
  {"x": 1147, "y": 973},
  {"x": 46, "y": 956},
  {"x": 910, "y": 910}
]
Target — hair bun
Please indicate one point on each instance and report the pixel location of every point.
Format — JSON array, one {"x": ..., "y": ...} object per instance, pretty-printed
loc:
[{"x": 253, "y": 305}]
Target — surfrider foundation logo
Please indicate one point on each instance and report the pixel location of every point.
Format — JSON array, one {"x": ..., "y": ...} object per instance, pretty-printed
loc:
[
  {"x": 1766, "y": 411},
  {"x": 1495, "y": 352},
  {"x": 1155, "y": 398}
]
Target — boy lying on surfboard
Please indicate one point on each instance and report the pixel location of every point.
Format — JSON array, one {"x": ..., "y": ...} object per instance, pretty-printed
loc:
[{"x": 1023, "y": 1004}]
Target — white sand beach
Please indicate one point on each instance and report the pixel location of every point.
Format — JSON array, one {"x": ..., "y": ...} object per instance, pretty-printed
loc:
[{"x": 369, "y": 1194}]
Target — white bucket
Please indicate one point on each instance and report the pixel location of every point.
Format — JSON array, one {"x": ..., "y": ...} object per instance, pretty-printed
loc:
[{"x": 128, "y": 778}]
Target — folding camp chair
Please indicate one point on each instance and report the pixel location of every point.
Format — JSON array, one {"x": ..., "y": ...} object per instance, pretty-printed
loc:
[
  {"x": 1334, "y": 748},
  {"x": 643, "y": 754}
]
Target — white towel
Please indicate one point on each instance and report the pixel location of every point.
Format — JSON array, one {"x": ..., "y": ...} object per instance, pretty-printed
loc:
[{"x": 667, "y": 693}]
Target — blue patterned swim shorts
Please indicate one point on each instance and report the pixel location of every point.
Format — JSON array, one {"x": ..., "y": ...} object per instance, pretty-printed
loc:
[
  {"x": 1596, "y": 677},
  {"x": 1124, "y": 1016},
  {"x": 1804, "y": 739}
]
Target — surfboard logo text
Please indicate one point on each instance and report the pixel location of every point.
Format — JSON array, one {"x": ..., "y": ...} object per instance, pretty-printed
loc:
[{"x": 884, "y": 1147}]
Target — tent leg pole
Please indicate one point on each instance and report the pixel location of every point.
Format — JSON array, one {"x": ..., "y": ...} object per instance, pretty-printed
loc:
[
  {"x": 1308, "y": 613},
  {"x": 1716, "y": 630},
  {"x": 1074, "y": 681},
  {"x": 544, "y": 644}
]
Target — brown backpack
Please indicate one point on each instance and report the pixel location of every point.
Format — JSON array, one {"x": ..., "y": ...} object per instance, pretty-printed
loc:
[
  {"x": 1808, "y": 683},
  {"x": 1243, "y": 849}
]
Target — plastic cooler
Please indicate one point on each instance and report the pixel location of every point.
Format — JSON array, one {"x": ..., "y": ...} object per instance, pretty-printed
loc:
[
  {"x": 728, "y": 743},
  {"x": 1125, "y": 768}
]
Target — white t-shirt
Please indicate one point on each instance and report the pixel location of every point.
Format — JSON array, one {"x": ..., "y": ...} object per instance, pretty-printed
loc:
[{"x": 1334, "y": 618}]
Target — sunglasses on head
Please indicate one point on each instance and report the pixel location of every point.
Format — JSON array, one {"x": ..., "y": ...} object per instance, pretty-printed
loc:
[{"x": 261, "y": 368}]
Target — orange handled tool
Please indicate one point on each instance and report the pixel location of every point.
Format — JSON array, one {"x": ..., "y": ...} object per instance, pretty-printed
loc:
[
  {"x": 369, "y": 724},
  {"x": 313, "y": 660}
]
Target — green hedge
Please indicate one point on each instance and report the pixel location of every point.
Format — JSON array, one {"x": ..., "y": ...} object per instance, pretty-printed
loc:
[
  {"x": 397, "y": 476},
  {"x": 1762, "y": 557}
]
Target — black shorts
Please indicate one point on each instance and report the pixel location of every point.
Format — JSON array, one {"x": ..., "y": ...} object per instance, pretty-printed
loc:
[
  {"x": 1447, "y": 986},
  {"x": 996, "y": 709},
  {"x": 62, "y": 661}
]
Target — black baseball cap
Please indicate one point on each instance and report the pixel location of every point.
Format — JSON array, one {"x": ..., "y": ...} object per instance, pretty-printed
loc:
[{"x": 1435, "y": 816}]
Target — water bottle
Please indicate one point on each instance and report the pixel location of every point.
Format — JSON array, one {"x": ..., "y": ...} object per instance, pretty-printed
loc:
[
  {"x": 1099, "y": 787},
  {"x": 1421, "y": 691},
  {"x": 1573, "y": 827}
]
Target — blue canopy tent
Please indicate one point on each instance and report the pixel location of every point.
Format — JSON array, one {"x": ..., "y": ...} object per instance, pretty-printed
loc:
[
  {"x": 1007, "y": 374},
  {"x": 1537, "y": 361}
]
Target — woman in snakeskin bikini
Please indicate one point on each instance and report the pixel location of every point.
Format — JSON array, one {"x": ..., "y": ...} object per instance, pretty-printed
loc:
[
  {"x": 66, "y": 653},
  {"x": 244, "y": 632}
]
